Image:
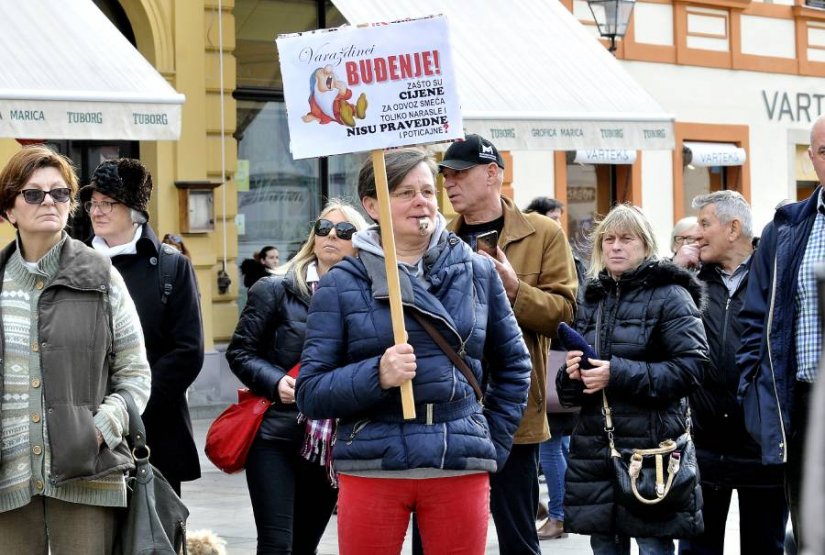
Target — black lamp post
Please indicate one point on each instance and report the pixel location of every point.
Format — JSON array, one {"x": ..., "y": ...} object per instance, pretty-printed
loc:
[{"x": 612, "y": 18}]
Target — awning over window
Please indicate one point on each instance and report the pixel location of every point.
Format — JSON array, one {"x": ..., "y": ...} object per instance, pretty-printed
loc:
[
  {"x": 67, "y": 73},
  {"x": 702, "y": 155},
  {"x": 531, "y": 77},
  {"x": 601, "y": 156}
]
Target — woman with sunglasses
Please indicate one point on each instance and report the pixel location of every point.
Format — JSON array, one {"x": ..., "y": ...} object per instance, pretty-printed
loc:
[
  {"x": 288, "y": 469},
  {"x": 437, "y": 465},
  {"x": 71, "y": 342}
]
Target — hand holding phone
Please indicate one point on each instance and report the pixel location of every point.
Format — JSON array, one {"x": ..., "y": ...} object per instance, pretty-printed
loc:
[{"x": 487, "y": 242}]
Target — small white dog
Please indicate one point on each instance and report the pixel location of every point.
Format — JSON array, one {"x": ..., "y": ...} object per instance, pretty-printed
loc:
[{"x": 204, "y": 542}]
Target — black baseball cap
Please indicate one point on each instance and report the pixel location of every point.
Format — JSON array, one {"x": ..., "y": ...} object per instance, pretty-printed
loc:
[{"x": 472, "y": 151}]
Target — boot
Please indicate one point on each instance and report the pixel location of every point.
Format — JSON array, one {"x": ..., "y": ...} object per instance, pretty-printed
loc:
[{"x": 552, "y": 529}]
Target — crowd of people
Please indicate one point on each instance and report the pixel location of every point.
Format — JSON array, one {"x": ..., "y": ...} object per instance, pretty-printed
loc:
[{"x": 711, "y": 354}]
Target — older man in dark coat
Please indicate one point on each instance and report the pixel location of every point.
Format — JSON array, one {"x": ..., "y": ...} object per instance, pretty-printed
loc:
[{"x": 162, "y": 283}]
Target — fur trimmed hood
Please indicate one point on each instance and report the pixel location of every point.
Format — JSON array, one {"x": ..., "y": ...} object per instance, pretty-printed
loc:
[{"x": 652, "y": 273}]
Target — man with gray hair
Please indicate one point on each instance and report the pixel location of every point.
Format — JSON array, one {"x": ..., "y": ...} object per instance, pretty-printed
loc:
[{"x": 728, "y": 457}]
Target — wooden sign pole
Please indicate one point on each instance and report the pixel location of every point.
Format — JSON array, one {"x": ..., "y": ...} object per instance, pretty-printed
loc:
[{"x": 391, "y": 265}]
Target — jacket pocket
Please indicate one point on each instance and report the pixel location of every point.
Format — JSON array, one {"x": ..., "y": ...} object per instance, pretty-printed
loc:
[{"x": 73, "y": 442}]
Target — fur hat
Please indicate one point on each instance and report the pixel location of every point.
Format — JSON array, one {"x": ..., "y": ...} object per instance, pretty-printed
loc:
[{"x": 126, "y": 180}]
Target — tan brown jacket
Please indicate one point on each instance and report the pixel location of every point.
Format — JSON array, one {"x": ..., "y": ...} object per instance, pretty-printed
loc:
[{"x": 538, "y": 252}]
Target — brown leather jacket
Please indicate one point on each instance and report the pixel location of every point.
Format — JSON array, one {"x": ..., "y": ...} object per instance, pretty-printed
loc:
[{"x": 538, "y": 252}]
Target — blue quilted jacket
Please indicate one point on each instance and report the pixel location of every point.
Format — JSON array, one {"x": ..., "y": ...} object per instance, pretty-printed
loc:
[{"x": 348, "y": 330}]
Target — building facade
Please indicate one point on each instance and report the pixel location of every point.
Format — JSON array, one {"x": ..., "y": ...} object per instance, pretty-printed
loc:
[{"x": 743, "y": 79}]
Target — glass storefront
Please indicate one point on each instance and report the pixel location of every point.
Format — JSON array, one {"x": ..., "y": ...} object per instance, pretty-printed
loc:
[{"x": 282, "y": 197}]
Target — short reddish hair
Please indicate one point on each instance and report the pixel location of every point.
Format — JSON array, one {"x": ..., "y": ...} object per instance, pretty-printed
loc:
[{"x": 20, "y": 167}]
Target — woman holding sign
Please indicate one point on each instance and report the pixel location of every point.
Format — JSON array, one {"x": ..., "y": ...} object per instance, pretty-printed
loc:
[
  {"x": 456, "y": 313},
  {"x": 288, "y": 468}
]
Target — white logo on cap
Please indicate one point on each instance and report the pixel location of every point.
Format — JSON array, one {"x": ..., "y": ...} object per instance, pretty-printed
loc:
[{"x": 487, "y": 152}]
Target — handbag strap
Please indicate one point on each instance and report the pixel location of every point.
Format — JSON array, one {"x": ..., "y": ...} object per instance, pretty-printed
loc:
[
  {"x": 606, "y": 412},
  {"x": 137, "y": 431},
  {"x": 457, "y": 361}
]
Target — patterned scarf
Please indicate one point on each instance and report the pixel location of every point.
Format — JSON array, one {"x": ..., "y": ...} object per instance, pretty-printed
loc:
[{"x": 319, "y": 437}]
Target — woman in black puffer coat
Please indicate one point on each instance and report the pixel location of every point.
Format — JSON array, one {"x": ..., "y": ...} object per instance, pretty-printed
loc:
[
  {"x": 652, "y": 350},
  {"x": 288, "y": 466}
]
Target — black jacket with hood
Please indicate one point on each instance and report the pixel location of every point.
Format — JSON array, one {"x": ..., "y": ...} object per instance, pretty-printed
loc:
[{"x": 652, "y": 334}]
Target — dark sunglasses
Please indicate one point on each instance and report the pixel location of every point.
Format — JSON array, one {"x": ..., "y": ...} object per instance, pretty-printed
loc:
[
  {"x": 343, "y": 230},
  {"x": 36, "y": 196}
]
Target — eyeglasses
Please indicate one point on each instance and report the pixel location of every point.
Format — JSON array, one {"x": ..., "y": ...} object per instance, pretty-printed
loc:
[
  {"x": 408, "y": 193},
  {"x": 105, "y": 206},
  {"x": 685, "y": 239},
  {"x": 343, "y": 230},
  {"x": 37, "y": 196}
]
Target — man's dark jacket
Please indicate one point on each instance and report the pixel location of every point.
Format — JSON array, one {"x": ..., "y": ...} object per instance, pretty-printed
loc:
[
  {"x": 174, "y": 346},
  {"x": 768, "y": 368},
  {"x": 727, "y": 454}
]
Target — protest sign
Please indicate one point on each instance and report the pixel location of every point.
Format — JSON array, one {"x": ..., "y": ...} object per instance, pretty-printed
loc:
[{"x": 355, "y": 89}]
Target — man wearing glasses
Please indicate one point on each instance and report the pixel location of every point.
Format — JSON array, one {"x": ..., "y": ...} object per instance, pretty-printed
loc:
[{"x": 162, "y": 284}]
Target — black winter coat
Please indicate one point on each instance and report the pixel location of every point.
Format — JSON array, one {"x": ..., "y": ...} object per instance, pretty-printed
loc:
[
  {"x": 652, "y": 334},
  {"x": 173, "y": 333},
  {"x": 266, "y": 344},
  {"x": 727, "y": 453}
]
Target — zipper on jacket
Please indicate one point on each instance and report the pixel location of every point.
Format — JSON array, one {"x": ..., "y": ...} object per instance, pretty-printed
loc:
[
  {"x": 356, "y": 429},
  {"x": 782, "y": 446},
  {"x": 725, "y": 324}
]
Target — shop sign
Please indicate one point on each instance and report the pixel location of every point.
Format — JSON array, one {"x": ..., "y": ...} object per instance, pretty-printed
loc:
[
  {"x": 78, "y": 119},
  {"x": 714, "y": 154},
  {"x": 355, "y": 89},
  {"x": 792, "y": 106},
  {"x": 548, "y": 134},
  {"x": 604, "y": 156}
]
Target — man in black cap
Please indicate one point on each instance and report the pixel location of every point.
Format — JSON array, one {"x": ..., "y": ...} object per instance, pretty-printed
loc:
[
  {"x": 162, "y": 283},
  {"x": 534, "y": 262}
]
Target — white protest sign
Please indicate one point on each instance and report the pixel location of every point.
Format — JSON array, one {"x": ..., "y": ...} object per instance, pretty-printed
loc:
[{"x": 354, "y": 89}]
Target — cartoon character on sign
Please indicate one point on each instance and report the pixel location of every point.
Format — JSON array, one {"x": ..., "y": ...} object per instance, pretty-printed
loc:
[{"x": 328, "y": 100}]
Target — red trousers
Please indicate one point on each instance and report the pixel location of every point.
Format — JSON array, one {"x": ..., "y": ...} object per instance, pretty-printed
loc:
[{"x": 374, "y": 513}]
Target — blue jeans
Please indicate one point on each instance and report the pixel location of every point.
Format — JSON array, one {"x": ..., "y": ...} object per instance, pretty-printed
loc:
[
  {"x": 607, "y": 544},
  {"x": 553, "y": 458}
]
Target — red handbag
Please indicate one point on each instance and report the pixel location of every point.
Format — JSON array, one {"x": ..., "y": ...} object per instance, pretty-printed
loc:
[{"x": 231, "y": 434}]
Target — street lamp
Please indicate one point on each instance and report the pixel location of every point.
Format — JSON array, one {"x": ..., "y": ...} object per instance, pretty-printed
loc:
[{"x": 612, "y": 18}]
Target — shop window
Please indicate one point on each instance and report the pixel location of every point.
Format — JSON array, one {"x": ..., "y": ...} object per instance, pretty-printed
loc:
[
  {"x": 592, "y": 190},
  {"x": 806, "y": 179},
  {"x": 710, "y": 167}
]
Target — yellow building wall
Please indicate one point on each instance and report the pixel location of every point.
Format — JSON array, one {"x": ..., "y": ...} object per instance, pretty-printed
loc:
[{"x": 181, "y": 40}]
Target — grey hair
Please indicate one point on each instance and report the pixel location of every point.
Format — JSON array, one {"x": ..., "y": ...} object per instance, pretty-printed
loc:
[
  {"x": 730, "y": 206},
  {"x": 137, "y": 216}
]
